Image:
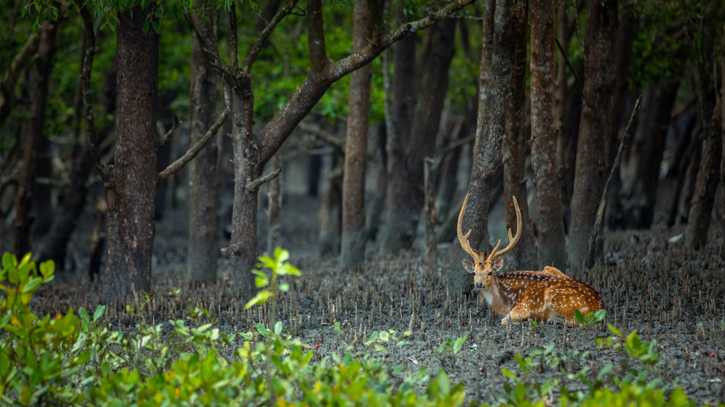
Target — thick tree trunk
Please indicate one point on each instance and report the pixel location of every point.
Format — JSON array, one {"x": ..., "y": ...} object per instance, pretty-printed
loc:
[
  {"x": 24, "y": 215},
  {"x": 130, "y": 196},
  {"x": 406, "y": 203},
  {"x": 514, "y": 145},
  {"x": 708, "y": 177},
  {"x": 397, "y": 217},
  {"x": 552, "y": 241},
  {"x": 490, "y": 133},
  {"x": 640, "y": 186},
  {"x": 203, "y": 250},
  {"x": 352, "y": 253},
  {"x": 625, "y": 40},
  {"x": 594, "y": 130}
]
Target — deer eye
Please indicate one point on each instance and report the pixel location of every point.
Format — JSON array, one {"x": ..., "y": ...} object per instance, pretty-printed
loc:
[{"x": 490, "y": 272}]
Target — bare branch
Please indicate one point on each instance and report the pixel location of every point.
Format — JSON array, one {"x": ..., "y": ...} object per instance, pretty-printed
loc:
[
  {"x": 571, "y": 67},
  {"x": 86, "y": 71},
  {"x": 254, "y": 51},
  {"x": 591, "y": 256},
  {"x": 304, "y": 99},
  {"x": 438, "y": 159},
  {"x": 194, "y": 150},
  {"x": 346, "y": 65},
  {"x": 167, "y": 136},
  {"x": 7, "y": 84},
  {"x": 254, "y": 185},
  {"x": 316, "y": 38},
  {"x": 329, "y": 138}
]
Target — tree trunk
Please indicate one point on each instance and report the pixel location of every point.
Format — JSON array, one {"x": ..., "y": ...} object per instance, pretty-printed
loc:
[
  {"x": 24, "y": 215},
  {"x": 552, "y": 241},
  {"x": 514, "y": 145},
  {"x": 490, "y": 133},
  {"x": 625, "y": 40},
  {"x": 55, "y": 243},
  {"x": 130, "y": 196},
  {"x": 397, "y": 219},
  {"x": 594, "y": 130},
  {"x": 708, "y": 177},
  {"x": 406, "y": 203},
  {"x": 640, "y": 187},
  {"x": 691, "y": 164},
  {"x": 203, "y": 250},
  {"x": 41, "y": 202},
  {"x": 352, "y": 253},
  {"x": 274, "y": 203},
  {"x": 330, "y": 213}
]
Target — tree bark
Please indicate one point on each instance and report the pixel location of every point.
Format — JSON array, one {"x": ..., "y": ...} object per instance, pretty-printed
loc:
[
  {"x": 403, "y": 106},
  {"x": 405, "y": 203},
  {"x": 9, "y": 80},
  {"x": 594, "y": 130},
  {"x": 131, "y": 194},
  {"x": 514, "y": 145},
  {"x": 55, "y": 243},
  {"x": 24, "y": 210},
  {"x": 708, "y": 177},
  {"x": 352, "y": 253},
  {"x": 552, "y": 241},
  {"x": 492, "y": 118},
  {"x": 640, "y": 187},
  {"x": 625, "y": 40},
  {"x": 203, "y": 250}
]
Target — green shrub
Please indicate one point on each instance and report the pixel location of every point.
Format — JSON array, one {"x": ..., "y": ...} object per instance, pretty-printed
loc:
[{"x": 77, "y": 359}]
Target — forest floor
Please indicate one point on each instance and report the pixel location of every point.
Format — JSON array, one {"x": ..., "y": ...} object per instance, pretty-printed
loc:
[{"x": 649, "y": 283}]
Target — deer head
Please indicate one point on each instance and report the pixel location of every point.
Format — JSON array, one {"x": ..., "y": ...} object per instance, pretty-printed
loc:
[{"x": 485, "y": 265}]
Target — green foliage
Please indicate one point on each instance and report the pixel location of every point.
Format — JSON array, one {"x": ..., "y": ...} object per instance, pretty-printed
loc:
[
  {"x": 77, "y": 359},
  {"x": 590, "y": 318},
  {"x": 631, "y": 384}
]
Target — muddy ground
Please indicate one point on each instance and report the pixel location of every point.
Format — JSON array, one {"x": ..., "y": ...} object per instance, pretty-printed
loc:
[{"x": 648, "y": 283}]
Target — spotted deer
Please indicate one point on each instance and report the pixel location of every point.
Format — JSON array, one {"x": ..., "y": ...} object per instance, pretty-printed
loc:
[{"x": 547, "y": 295}]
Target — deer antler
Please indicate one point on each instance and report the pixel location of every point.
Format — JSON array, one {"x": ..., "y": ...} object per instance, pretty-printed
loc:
[
  {"x": 463, "y": 239},
  {"x": 512, "y": 240}
]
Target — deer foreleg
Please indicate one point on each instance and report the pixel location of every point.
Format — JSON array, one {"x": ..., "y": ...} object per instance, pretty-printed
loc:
[{"x": 518, "y": 313}]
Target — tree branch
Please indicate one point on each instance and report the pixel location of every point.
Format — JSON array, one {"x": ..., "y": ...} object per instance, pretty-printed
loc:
[
  {"x": 7, "y": 84},
  {"x": 86, "y": 70},
  {"x": 254, "y": 51},
  {"x": 571, "y": 67},
  {"x": 165, "y": 137},
  {"x": 316, "y": 38},
  {"x": 193, "y": 150},
  {"x": 304, "y": 99},
  {"x": 326, "y": 136},
  {"x": 591, "y": 256},
  {"x": 346, "y": 65},
  {"x": 253, "y": 185}
]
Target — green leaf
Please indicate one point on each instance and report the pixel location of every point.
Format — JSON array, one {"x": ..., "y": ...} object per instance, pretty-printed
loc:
[
  {"x": 260, "y": 298},
  {"x": 281, "y": 255},
  {"x": 284, "y": 287},
  {"x": 614, "y": 330},
  {"x": 32, "y": 285},
  {"x": 47, "y": 268},
  {"x": 278, "y": 327},
  {"x": 444, "y": 383},
  {"x": 579, "y": 317},
  {"x": 100, "y": 310},
  {"x": 9, "y": 260},
  {"x": 508, "y": 373}
]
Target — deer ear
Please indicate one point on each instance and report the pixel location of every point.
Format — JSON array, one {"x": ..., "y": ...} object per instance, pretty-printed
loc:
[
  {"x": 468, "y": 266},
  {"x": 497, "y": 264}
]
